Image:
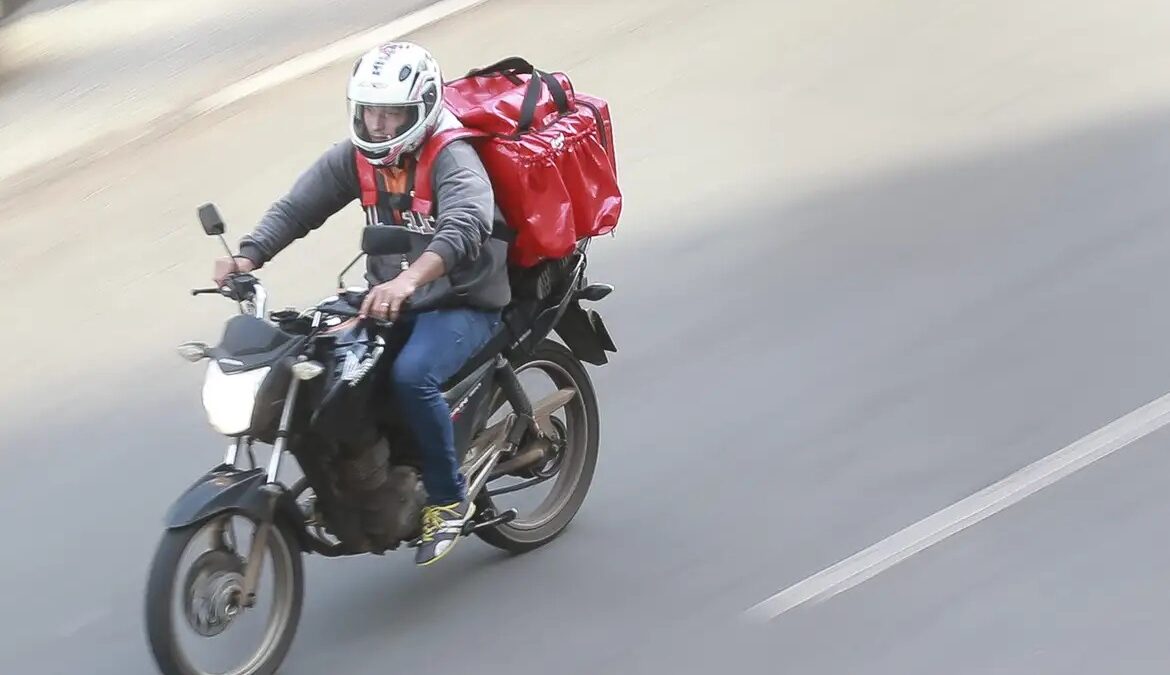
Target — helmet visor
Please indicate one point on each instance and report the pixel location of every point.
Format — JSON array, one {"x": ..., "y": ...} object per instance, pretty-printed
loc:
[{"x": 385, "y": 123}]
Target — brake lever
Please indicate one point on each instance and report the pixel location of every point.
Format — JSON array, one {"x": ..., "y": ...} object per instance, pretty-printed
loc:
[{"x": 205, "y": 291}]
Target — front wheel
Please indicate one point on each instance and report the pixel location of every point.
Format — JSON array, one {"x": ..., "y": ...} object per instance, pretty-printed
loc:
[
  {"x": 204, "y": 599},
  {"x": 569, "y": 470}
]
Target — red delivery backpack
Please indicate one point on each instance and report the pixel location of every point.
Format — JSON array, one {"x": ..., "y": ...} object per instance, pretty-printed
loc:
[{"x": 547, "y": 149}]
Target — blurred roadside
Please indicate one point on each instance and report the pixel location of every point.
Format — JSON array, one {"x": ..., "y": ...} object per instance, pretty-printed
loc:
[
  {"x": 8, "y": 7},
  {"x": 17, "y": 8},
  {"x": 75, "y": 71}
]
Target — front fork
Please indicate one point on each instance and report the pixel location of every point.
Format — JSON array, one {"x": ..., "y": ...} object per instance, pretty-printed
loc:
[{"x": 272, "y": 490}]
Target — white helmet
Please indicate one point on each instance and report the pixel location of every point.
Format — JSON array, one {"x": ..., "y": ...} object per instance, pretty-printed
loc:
[{"x": 395, "y": 101}]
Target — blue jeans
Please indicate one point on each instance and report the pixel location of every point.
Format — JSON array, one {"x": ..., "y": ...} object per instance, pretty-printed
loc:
[{"x": 441, "y": 341}]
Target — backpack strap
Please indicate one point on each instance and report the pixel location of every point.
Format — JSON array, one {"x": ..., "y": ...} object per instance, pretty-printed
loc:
[
  {"x": 366, "y": 180},
  {"x": 419, "y": 186},
  {"x": 423, "y": 195},
  {"x": 368, "y": 187}
]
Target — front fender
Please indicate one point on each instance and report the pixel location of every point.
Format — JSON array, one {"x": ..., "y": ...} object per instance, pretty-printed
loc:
[{"x": 222, "y": 489}]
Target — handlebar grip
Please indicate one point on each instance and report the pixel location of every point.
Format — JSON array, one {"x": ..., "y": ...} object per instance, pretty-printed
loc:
[
  {"x": 353, "y": 313},
  {"x": 204, "y": 291}
]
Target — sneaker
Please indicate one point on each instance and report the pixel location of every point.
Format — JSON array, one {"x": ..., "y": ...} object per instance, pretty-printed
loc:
[{"x": 442, "y": 526}]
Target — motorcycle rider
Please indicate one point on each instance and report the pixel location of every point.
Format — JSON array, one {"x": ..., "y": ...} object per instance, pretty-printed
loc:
[{"x": 454, "y": 276}]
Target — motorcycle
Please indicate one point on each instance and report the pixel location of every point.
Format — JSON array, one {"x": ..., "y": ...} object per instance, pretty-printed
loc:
[{"x": 311, "y": 384}]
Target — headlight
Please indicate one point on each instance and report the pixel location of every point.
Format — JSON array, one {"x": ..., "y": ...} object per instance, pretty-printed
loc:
[{"x": 230, "y": 399}]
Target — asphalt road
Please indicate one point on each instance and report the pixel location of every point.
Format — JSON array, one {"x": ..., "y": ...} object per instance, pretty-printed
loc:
[{"x": 876, "y": 256}]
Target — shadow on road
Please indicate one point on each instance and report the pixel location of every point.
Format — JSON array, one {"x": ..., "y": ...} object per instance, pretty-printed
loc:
[{"x": 896, "y": 342}]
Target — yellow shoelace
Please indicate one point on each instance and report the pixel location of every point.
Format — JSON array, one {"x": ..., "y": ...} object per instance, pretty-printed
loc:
[{"x": 433, "y": 520}]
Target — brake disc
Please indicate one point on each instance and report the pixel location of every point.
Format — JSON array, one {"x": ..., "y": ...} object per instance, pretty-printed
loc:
[{"x": 214, "y": 586}]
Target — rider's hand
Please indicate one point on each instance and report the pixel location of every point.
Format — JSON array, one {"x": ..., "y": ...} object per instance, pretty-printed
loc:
[
  {"x": 384, "y": 301},
  {"x": 225, "y": 267}
]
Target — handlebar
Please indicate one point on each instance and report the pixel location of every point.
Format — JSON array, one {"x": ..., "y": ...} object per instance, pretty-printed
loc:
[
  {"x": 345, "y": 308},
  {"x": 242, "y": 288},
  {"x": 245, "y": 287}
]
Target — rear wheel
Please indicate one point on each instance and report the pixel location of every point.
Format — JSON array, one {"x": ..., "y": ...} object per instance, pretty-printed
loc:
[{"x": 569, "y": 469}]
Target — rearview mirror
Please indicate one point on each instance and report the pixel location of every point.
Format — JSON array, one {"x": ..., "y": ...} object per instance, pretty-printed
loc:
[
  {"x": 384, "y": 240},
  {"x": 211, "y": 220}
]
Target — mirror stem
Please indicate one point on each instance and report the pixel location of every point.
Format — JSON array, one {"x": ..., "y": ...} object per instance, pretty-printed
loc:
[
  {"x": 229, "y": 251},
  {"x": 341, "y": 277}
]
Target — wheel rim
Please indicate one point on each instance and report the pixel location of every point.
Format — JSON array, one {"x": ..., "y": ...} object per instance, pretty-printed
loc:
[
  {"x": 210, "y": 600},
  {"x": 572, "y": 425}
]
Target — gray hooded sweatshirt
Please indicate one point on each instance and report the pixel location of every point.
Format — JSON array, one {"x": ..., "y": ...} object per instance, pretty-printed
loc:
[{"x": 466, "y": 214}]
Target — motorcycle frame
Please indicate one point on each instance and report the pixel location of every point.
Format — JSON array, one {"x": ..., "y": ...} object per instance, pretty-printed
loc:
[{"x": 258, "y": 493}]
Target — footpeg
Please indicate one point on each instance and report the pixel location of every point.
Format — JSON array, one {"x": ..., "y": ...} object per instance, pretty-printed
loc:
[{"x": 505, "y": 517}]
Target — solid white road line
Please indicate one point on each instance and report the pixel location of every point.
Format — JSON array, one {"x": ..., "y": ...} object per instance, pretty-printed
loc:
[
  {"x": 987, "y": 502},
  {"x": 348, "y": 47}
]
